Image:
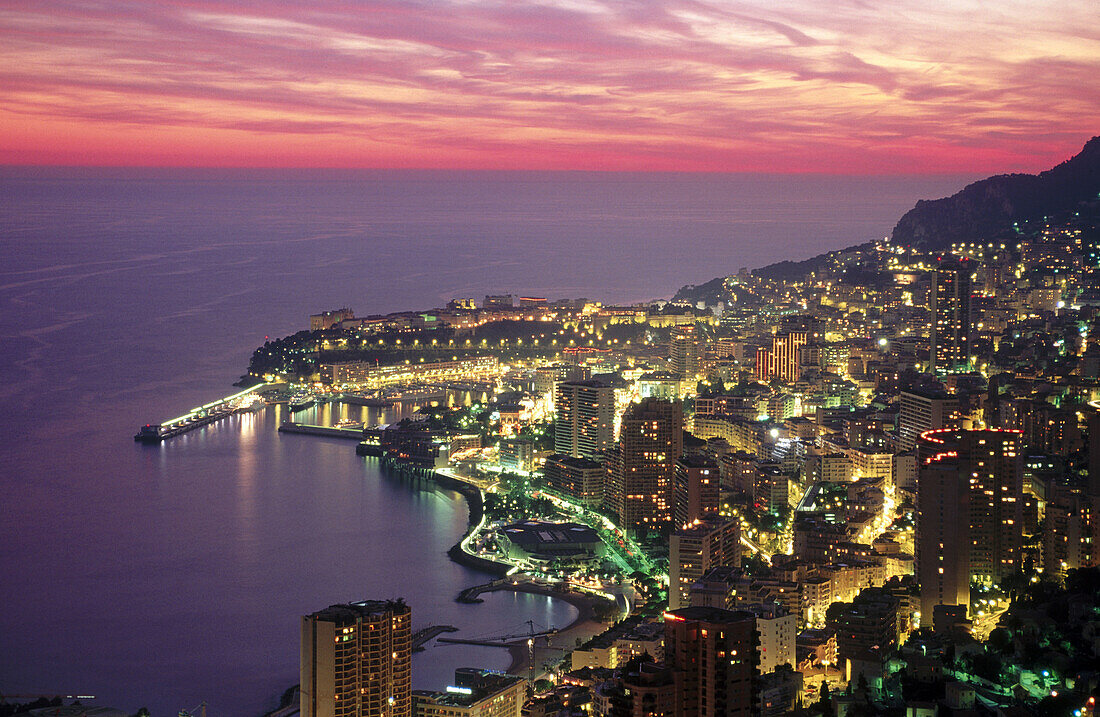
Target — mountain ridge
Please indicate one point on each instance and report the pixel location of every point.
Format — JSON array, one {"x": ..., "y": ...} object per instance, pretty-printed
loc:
[
  {"x": 981, "y": 211},
  {"x": 989, "y": 207}
]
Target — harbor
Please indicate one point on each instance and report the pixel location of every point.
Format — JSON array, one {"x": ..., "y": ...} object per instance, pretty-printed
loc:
[{"x": 246, "y": 400}]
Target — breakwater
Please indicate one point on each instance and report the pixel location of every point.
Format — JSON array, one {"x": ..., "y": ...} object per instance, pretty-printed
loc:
[
  {"x": 355, "y": 434},
  {"x": 201, "y": 416}
]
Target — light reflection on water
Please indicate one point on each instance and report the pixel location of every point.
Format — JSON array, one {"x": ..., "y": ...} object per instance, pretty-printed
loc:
[
  {"x": 194, "y": 559},
  {"x": 155, "y": 575}
]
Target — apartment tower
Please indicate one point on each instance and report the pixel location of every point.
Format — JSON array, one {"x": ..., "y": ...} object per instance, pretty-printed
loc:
[
  {"x": 712, "y": 653},
  {"x": 356, "y": 661},
  {"x": 586, "y": 418},
  {"x": 969, "y": 513},
  {"x": 952, "y": 318},
  {"x": 642, "y": 468}
]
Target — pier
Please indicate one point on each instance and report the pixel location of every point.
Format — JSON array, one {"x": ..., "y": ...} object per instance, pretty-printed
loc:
[
  {"x": 425, "y": 634},
  {"x": 355, "y": 434},
  {"x": 245, "y": 400},
  {"x": 368, "y": 401}
]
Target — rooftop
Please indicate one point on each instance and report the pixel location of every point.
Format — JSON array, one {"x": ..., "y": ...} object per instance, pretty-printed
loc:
[{"x": 539, "y": 533}]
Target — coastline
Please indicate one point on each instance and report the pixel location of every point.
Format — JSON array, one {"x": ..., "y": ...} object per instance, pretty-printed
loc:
[{"x": 583, "y": 626}]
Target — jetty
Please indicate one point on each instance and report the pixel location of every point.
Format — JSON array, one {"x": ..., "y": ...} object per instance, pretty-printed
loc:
[
  {"x": 355, "y": 434},
  {"x": 425, "y": 634},
  {"x": 243, "y": 401}
]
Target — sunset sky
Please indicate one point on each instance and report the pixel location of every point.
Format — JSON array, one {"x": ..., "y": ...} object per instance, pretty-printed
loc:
[{"x": 855, "y": 86}]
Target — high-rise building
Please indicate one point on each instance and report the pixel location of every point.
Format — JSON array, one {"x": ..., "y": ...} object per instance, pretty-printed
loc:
[
  {"x": 762, "y": 369},
  {"x": 586, "y": 417},
  {"x": 712, "y": 653},
  {"x": 866, "y": 629},
  {"x": 921, "y": 411},
  {"x": 770, "y": 488},
  {"x": 356, "y": 661},
  {"x": 952, "y": 318},
  {"x": 969, "y": 513},
  {"x": 684, "y": 352},
  {"x": 475, "y": 693},
  {"x": 776, "y": 631},
  {"x": 580, "y": 479},
  {"x": 641, "y": 473},
  {"x": 784, "y": 360},
  {"x": 697, "y": 489},
  {"x": 1067, "y": 537},
  {"x": 696, "y": 548},
  {"x": 643, "y": 688},
  {"x": 787, "y": 356},
  {"x": 1093, "y": 430},
  {"x": 1093, "y": 488}
]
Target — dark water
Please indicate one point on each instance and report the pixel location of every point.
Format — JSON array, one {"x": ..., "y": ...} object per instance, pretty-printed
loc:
[{"x": 168, "y": 575}]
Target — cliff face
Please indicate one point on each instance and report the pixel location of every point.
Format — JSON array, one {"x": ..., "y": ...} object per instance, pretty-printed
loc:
[{"x": 987, "y": 208}]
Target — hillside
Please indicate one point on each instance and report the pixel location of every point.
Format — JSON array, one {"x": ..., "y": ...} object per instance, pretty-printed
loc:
[
  {"x": 987, "y": 209},
  {"x": 983, "y": 210}
]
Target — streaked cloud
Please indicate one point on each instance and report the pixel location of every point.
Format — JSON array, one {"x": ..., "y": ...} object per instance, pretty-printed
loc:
[{"x": 895, "y": 86}]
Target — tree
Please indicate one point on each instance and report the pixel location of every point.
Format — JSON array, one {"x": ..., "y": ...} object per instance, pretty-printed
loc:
[
  {"x": 823, "y": 702},
  {"x": 1000, "y": 641}
]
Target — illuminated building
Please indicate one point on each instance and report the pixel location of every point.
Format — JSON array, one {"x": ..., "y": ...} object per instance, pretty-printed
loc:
[
  {"x": 586, "y": 417},
  {"x": 866, "y": 628},
  {"x": 770, "y": 488},
  {"x": 516, "y": 454},
  {"x": 784, "y": 360},
  {"x": 580, "y": 479},
  {"x": 645, "y": 689},
  {"x": 356, "y": 661},
  {"x": 696, "y": 548},
  {"x": 684, "y": 352},
  {"x": 969, "y": 513},
  {"x": 952, "y": 321},
  {"x": 776, "y": 630},
  {"x": 1067, "y": 540},
  {"x": 641, "y": 469},
  {"x": 712, "y": 652},
  {"x": 828, "y": 468},
  {"x": 369, "y": 374},
  {"x": 475, "y": 693},
  {"x": 697, "y": 488},
  {"x": 329, "y": 319},
  {"x": 923, "y": 411}
]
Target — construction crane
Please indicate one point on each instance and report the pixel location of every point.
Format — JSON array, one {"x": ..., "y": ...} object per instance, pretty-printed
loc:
[
  {"x": 196, "y": 711},
  {"x": 531, "y": 634}
]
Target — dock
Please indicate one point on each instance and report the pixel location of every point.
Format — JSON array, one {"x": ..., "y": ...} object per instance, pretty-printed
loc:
[
  {"x": 425, "y": 634},
  {"x": 481, "y": 643},
  {"x": 369, "y": 402},
  {"x": 470, "y": 594},
  {"x": 242, "y": 401},
  {"x": 355, "y": 434}
]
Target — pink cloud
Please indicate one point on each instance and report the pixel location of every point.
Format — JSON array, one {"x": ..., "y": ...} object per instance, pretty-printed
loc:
[{"x": 672, "y": 84}]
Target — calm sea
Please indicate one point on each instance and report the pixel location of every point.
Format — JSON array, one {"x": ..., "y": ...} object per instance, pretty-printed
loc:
[{"x": 165, "y": 576}]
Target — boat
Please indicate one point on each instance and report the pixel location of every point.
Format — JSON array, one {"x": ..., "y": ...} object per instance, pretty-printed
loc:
[
  {"x": 150, "y": 433},
  {"x": 301, "y": 401},
  {"x": 349, "y": 423}
]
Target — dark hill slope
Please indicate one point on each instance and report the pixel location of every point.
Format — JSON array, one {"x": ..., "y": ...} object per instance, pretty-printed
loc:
[{"x": 987, "y": 208}]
